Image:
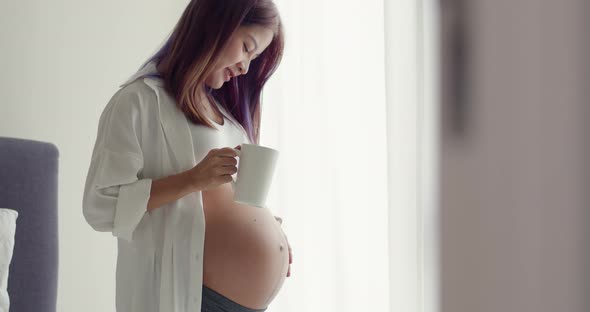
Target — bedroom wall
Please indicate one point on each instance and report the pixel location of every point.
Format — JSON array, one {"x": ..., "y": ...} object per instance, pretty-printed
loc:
[{"x": 61, "y": 61}]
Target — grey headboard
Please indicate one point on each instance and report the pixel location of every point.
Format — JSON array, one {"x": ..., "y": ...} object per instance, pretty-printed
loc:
[{"x": 28, "y": 184}]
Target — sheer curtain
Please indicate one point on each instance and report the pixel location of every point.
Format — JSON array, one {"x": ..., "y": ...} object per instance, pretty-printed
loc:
[{"x": 351, "y": 112}]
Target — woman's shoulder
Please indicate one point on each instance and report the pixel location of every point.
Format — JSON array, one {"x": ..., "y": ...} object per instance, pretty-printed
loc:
[
  {"x": 140, "y": 93},
  {"x": 131, "y": 101},
  {"x": 142, "y": 85}
]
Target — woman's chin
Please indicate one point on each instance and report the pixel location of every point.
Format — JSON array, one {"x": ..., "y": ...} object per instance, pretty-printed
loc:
[
  {"x": 218, "y": 84},
  {"x": 215, "y": 84}
]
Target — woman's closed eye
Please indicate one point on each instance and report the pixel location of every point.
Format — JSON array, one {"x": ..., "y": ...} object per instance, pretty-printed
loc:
[{"x": 248, "y": 51}]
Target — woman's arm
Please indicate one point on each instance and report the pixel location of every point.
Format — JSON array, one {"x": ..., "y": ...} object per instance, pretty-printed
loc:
[{"x": 169, "y": 189}]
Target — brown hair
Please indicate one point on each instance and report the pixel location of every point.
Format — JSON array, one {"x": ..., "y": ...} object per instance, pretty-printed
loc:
[{"x": 190, "y": 54}]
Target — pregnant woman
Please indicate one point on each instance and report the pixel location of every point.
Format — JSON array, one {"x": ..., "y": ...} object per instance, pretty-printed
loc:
[{"x": 163, "y": 159}]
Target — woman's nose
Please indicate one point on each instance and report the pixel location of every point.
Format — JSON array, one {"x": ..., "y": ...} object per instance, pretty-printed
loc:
[{"x": 243, "y": 67}]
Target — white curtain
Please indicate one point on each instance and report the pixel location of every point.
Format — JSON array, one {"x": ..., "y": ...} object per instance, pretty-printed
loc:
[{"x": 351, "y": 110}]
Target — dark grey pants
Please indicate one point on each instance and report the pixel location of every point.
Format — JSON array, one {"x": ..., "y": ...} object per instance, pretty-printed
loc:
[{"x": 215, "y": 302}]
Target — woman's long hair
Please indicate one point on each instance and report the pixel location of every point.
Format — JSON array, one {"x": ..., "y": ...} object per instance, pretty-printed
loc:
[{"x": 189, "y": 56}]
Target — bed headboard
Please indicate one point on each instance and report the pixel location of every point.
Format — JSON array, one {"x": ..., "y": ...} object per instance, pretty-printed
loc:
[{"x": 28, "y": 184}]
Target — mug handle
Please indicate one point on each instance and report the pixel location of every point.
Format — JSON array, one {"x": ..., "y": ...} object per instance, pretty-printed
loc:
[{"x": 233, "y": 181}]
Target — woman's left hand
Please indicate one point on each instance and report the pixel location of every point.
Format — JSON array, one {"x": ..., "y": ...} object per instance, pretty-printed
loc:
[{"x": 280, "y": 220}]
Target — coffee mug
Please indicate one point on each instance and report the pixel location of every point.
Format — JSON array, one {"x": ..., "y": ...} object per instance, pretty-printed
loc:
[{"x": 256, "y": 168}]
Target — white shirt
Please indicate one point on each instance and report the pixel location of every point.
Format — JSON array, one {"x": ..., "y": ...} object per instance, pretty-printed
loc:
[{"x": 141, "y": 136}]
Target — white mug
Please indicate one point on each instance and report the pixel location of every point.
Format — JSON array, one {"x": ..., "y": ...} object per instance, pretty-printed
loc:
[{"x": 255, "y": 173}]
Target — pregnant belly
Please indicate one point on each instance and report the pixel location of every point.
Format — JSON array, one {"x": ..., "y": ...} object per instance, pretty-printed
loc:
[{"x": 246, "y": 257}]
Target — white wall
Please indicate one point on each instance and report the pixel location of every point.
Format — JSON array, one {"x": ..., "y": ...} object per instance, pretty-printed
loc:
[
  {"x": 61, "y": 61},
  {"x": 514, "y": 186}
]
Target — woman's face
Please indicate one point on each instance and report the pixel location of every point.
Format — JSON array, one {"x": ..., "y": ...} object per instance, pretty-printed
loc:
[{"x": 244, "y": 46}]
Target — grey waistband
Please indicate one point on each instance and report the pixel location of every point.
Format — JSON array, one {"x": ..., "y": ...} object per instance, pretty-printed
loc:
[{"x": 214, "y": 300}]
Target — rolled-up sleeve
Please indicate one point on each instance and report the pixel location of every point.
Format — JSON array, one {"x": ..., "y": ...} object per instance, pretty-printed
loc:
[{"x": 115, "y": 195}]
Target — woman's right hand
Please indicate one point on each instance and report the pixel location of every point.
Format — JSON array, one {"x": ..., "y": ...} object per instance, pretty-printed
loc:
[{"x": 215, "y": 169}]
